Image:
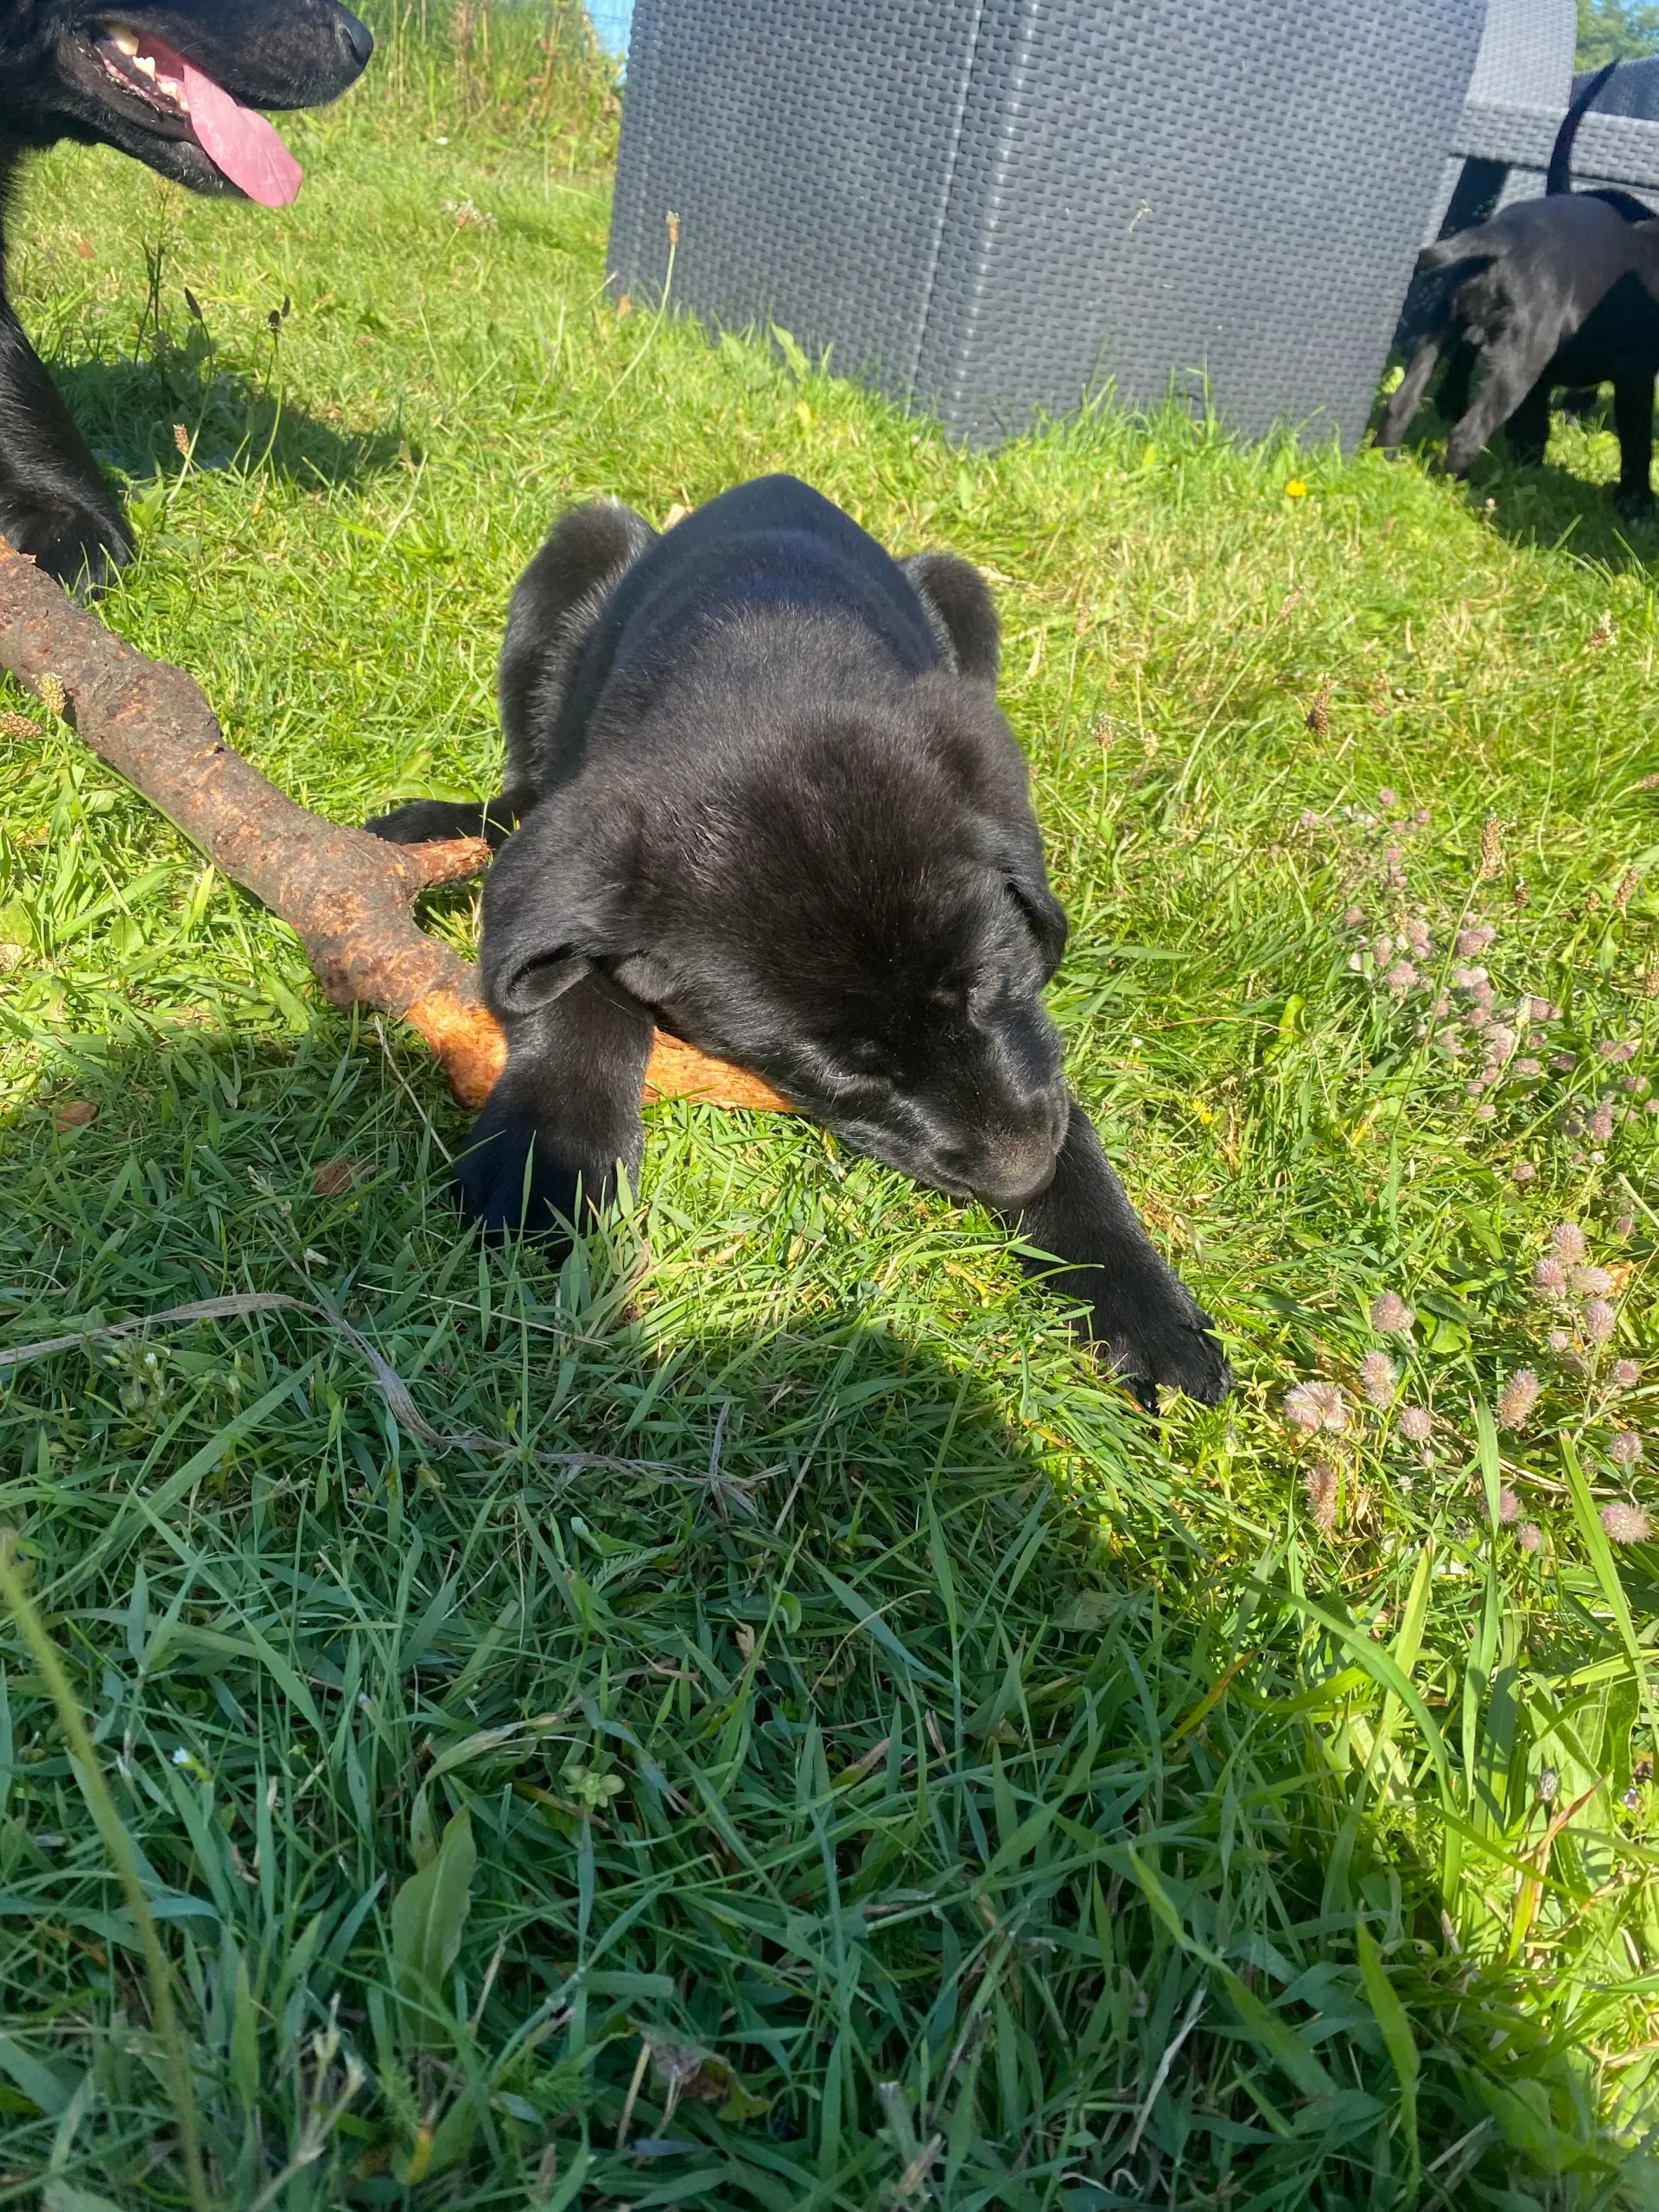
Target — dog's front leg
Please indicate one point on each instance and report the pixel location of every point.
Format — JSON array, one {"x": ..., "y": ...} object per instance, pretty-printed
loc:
[
  {"x": 1633, "y": 419},
  {"x": 1140, "y": 1311},
  {"x": 55, "y": 504},
  {"x": 563, "y": 1115}
]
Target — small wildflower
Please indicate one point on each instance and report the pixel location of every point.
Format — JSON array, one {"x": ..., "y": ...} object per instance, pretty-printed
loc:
[
  {"x": 1589, "y": 1282},
  {"x": 1600, "y": 1126},
  {"x": 1418, "y": 939},
  {"x": 1626, "y": 1524},
  {"x": 1549, "y": 1782},
  {"x": 1319, "y": 1484},
  {"x": 1535, "y": 1009},
  {"x": 1529, "y": 1069},
  {"x": 1485, "y": 1111},
  {"x": 1295, "y": 489},
  {"x": 1567, "y": 1241},
  {"x": 1470, "y": 943},
  {"x": 1476, "y": 1018},
  {"x": 1600, "y": 1320},
  {"x": 1382, "y": 949},
  {"x": 1625, "y": 1449},
  {"x": 1390, "y": 1315},
  {"x": 1528, "y": 1536},
  {"x": 1517, "y": 1398},
  {"x": 1482, "y": 993},
  {"x": 1354, "y": 918},
  {"x": 1524, "y": 1171},
  {"x": 1401, "y": 977},
  {"x": 1316, "y": 1406},
  {"x": 1465, "y": 978},
  {"x": 1498, "y": 1042},
  {"x": 1558, "y": 1342},
  {"x": 1415, "y": 1424},
  {"x": 1508, "y": 1506},
  {"x": 1376, "y": 1380},
  {"x": 1624, "y": 1375},
  {"x": 1563, "y": 1063},
  {"x": 1608, "y": 1050},
  {"x": 1386, "y": 797}
]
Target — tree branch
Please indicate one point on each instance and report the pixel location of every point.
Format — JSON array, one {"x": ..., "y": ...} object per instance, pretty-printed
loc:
[{"x": 349, "y": 897}]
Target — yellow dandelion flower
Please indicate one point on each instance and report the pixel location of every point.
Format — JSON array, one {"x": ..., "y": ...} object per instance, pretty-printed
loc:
[{"x": 1295, "y": 489}]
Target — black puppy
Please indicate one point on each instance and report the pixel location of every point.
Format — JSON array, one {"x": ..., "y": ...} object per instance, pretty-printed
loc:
[
  {"x": 1559, "y": 292},
  {"x": 769, "y": 803},
  {"x": 170, "y": 82}
]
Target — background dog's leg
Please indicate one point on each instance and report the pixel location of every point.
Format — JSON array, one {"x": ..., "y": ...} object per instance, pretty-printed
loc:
[
  {"x": 565, "y": 1111},
  {"x": 1138, "y": 1310},
  {"x": 55, "y": 504},
  {"x": 1633, "y": 419},
  {"x": 1509, "y": 377},
  {"x": 1527, "y": 429},
  {"x": 1409, "y": 397}
]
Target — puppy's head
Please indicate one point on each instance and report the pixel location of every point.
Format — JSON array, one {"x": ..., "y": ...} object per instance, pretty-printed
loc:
[
  {"x": 173, "y": 82},
  {"x": 864, "y": 922}
]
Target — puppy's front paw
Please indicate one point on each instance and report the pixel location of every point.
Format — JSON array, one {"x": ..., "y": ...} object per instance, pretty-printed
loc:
[
  {"x": 1155, "y": 1336},
  {"x": 425, "y": 821},
  {"x": 508, "y": 1181},
  {"x": 82, "y": 550}
]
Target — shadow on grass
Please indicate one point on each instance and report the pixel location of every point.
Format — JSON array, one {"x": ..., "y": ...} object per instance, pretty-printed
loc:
[
  {"x": 127, "y": 410},
  {"x": 852, "y": 1767}
]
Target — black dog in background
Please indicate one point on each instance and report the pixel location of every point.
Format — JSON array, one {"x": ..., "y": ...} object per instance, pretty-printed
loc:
[
  {"x": 769, "y": 803},
  {"x": 1562, "y": 291},
  {"x": 170, "y": 82}
]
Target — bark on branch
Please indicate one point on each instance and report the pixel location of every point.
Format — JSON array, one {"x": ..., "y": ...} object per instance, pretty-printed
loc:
[{"x": 349, "y": 897}]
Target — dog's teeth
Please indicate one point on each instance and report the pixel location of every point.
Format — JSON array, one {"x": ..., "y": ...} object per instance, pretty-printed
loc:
[
  {"x": 144, "y": 62},
  {"x": 125, "y": 42},
  {"x": 174, "y": 90}
]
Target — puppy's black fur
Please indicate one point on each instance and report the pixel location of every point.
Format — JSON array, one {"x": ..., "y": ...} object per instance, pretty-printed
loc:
[
  {"x": 63, "y": 75},
  {"x": 768, "y": 802},
  {"x": 1559, "y": 292}
]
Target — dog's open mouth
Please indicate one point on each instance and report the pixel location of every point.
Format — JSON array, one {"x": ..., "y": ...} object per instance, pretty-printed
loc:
[{"x": 241, "y": 145}]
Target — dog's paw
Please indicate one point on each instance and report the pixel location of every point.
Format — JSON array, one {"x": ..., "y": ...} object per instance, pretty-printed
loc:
[
  {"x": 425, "y": 821},
  {"x": 83, "y": 551},
  {"x": 509, "y": 1184},
  {"x": 1154, "y": 1336}
]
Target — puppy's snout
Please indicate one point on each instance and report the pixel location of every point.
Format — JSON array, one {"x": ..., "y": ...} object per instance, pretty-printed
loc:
[{"x": 356, "y": 39}]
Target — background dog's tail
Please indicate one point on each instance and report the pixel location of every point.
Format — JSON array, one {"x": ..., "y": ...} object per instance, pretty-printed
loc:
[
  {"x": 1559, "y": 176},
  {"x": 1462, "y": 245}
]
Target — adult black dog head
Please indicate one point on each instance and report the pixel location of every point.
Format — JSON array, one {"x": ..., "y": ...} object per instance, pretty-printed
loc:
[
  {"x": 853, "y": 909},
  {"x": 173, "y": 82}
]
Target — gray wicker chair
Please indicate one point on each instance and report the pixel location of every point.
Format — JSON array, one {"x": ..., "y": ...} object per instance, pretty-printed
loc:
[
  {"x": 1519, "y": 93},
  {"x": 991, "y": 208}
]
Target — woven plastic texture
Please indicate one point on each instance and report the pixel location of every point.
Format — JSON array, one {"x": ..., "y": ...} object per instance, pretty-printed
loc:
[
  {"x": 993, "y": 207},
  {"x": 1633, "y": 89}
]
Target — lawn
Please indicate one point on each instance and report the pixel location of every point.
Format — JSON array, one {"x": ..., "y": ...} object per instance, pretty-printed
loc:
[{"x": 817, "y": 1745}]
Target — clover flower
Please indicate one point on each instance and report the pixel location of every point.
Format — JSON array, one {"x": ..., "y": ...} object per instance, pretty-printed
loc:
[
  {"x": 1558, "y": 1342},
  {"x": 1589, "y": 1282},
  {"x": 1548, "y": 1279},
  {"x": 1626, "y": 1524},
  {"x": 1624, "y": 1375},
  {"x": 1528, "y": 1536},
  {"x": 1401, "y": 977},
  {"x": 1376, "y": 1380},
  {"x": 1600, "y": 1320},
  {"x": 1315, "y": 1406},
  {"x": 1390, "y": 1315},
  {"x": 1524, "y": 1171},
  {"x": 1517, "y": 1398},
  {"x": 1508, "y": 1506},
  {"x": 1567, "y": 1241},
  {"x": 1470, "y": 943},
  {"x": 1599, "y": 1127},
  {"x": 1608, "y": 1049},
  {"x": 1415, "y": 1424},
  {"x": 1625, "y": 1449},
  {"x": 1319, "y": 1484}
]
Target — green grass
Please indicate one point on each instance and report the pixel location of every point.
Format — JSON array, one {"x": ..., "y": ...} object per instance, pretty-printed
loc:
[{"x": 819, "y": 1746}]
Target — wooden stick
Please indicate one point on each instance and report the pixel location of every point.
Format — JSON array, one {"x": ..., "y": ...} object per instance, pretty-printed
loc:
[{"x": 349, "y": 897}]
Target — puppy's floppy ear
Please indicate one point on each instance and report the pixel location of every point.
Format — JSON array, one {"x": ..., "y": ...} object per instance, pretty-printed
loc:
[
  {"x": 957, "y": 604},
  {"x": 1027, "y": 882},
  {"x": 529, "y": 979}
]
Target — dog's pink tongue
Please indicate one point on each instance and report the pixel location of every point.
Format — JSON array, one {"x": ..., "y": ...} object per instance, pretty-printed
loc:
[{"x": 239, "y": 142}]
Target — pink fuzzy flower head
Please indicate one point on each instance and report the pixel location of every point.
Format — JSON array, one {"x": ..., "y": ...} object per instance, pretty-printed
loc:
[
  {"x": 1319, "y": 1484},
  {"x": 1401, "y": 977},
  {"x": 1548, "y": 1278},
  {"x": 1354, "y": 918},
  {"x": 1382, "y": 949},
  {"x": 1418, "y": 939},
  {"x": 1600, "y": 1320},
  {"x": 1415, "y": 1424},
  {"x": 1508, "y": 1506},
  {"x": 1599, "y": 1127},
  {"x": 1524, "y": 1171},
  {"x": 1376, "y": 1380},
  {"x": 1529, "y": 1536},
  {"x": 1563, "y": 1063},
  {"x": 1567, "y": 1241},
  {"x": 1625, "y": 1449},
  {"x": 1476, "y": 1018},
  {"x": 1485, "y": 1111},
  {"x": 1471, "y": 944},
  {"x": 1528, "y": 1069},
  {"x": 1390, "y": 1315},
  {"x": 1537, "y": 1009},
  {"x": 1626, "y": 1524},
  {"x": 1315, "y": 1406},
  {"x": 1517, "y": 1398},
  {"x": 1608, "y": 1050},
  {"x": 1624, "y": 1375},
  {"x": 1589, "y": 1282},
  {"x": 1558, "y": 1342},
  {"x": 1387, "y": 797}
]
